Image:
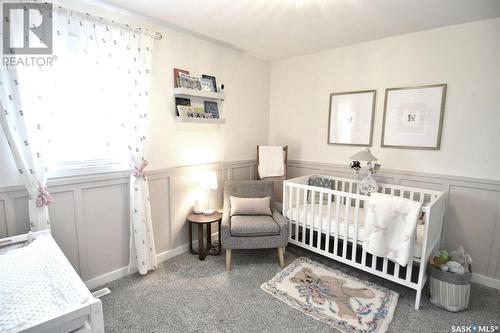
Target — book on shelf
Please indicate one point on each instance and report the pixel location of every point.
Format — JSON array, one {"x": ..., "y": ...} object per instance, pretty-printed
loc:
[
  {"x": 184, "y": 111},
  {"x": 182, "y": 102},
  {"x": 176, "y": 76}
]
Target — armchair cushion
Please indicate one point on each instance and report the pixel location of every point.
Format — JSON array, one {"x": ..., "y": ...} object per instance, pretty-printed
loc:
[
  {"x": 250, "y": 206},
  {"x": 251, "y": 226}
]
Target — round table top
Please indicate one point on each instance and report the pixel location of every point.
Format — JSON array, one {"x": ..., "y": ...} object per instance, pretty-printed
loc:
[{"x": 200, "y": 218}]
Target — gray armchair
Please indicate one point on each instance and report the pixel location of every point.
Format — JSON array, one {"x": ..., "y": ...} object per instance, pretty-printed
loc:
[{"x": 252, "y": 231}]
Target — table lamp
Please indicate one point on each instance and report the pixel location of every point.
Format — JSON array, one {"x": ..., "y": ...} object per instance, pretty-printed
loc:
[
  {"x": 367, "y": 185},
  {"x": 209, "y": 182}
]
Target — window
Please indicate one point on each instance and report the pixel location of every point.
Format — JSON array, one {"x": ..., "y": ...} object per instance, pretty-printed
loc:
[{"x": 83, "y": 100}]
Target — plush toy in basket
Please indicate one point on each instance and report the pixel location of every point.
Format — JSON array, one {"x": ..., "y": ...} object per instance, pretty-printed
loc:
[{"x": 450, "y": 279}]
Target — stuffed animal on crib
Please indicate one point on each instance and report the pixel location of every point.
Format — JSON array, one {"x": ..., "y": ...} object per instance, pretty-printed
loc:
[{"x": 355, "y": 165}]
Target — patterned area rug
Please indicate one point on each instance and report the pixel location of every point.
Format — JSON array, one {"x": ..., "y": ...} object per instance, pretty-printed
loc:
[{"x": 337, "y": 299}]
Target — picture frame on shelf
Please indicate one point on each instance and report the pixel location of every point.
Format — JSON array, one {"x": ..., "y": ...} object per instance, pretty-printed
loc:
[
  {"x": 351, "y": 116},
  {"x": 211, "y": 78},
  {"x": 212, "y": 108},
  {"x": 189, "y": 82},
  {"x": 413, "y": 117},
  {"x": 207, "y": 85},
  {"x": 177, "y": 71}
]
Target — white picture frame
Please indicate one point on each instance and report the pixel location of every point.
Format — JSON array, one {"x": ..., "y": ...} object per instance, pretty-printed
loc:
[
  {"x": 350, "y": 120},
  {"x": 413, "y": 117}
]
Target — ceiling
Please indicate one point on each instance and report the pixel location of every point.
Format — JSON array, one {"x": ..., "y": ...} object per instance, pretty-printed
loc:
[{"x": 276, "y": 29}]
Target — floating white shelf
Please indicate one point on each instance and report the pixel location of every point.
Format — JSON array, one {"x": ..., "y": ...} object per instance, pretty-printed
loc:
[
  {"x": 199, "y": 120},
  {"x": 185, "y": 92}
]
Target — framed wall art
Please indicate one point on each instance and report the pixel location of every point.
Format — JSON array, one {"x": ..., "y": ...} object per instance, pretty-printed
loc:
[
  {"x": 413, "y": 117},
  {"x": 350, "y": 120}
]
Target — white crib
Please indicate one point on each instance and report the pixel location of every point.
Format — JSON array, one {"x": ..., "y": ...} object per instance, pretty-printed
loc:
[{"x": 313, "y": 225}]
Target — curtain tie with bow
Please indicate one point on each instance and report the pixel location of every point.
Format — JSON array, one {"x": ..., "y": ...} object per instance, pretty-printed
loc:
[
  {"x": 44, "y": 198},
  {"x": 140, "y": 172}
]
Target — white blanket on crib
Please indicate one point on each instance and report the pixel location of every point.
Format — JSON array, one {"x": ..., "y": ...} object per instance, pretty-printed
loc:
[{"x": 390, "y": 226}]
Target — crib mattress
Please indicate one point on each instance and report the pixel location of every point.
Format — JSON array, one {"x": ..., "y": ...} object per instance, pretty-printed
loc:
[
  {"x": 37, "y": 284},
  {"x": 314, "y": 215}
]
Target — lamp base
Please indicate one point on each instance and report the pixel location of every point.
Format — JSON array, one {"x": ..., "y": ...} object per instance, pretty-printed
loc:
[
  {"x": 368, "y": 185},
  {"x": 208, "y": 212}
]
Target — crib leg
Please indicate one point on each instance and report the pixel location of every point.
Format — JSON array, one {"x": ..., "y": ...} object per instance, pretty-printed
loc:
[{"x": 417, "y": 299}]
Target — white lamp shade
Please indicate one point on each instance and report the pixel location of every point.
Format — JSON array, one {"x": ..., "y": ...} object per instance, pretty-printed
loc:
[
  {"x": 364, "y": 155},
  {"x": 209, "y": 180}
]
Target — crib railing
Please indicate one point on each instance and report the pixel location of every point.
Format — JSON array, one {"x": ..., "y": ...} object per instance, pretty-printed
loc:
[{"x": 343, "y": 205}]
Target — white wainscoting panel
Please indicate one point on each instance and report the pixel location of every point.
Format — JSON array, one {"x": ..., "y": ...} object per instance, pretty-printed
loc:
[
  {"x": 3, "y": 220},
  {"x": 106, "y": 216},
  {"x": 159, "y": 193},
  {"x": 63, "y": 225},
  {"x": 471, "y": 220},
  {"x": 22, "y": 225},
  {"x": 241, "y": 173}
]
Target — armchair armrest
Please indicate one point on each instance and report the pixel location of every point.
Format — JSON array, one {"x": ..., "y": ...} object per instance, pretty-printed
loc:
[{"x": 278, "y": 217}]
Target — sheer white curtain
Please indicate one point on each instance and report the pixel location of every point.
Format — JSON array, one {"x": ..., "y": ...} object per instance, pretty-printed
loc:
[
  {"x": 24, "y": 133},
  {"x": 123, "y": 58},
  {"x": 97, "y": 94}
]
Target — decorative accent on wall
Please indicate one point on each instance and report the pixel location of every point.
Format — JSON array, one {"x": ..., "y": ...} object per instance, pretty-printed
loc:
[
  {"x": 350, "y": 120},
  {"x": 413, "y": 117}
]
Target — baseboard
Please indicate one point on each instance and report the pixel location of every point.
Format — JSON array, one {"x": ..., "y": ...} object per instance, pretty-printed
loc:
[
  {"x": 486, "y": 281},
  {"x": 106, "y": 278},
  {"x": 101, "y": 280}
]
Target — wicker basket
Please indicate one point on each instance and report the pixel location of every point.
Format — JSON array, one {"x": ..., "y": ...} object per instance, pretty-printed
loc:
[{"x": 449, "y": 290}]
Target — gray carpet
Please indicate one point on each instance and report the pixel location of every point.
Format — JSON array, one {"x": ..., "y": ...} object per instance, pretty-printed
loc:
[{"x": 188, "y": 295}]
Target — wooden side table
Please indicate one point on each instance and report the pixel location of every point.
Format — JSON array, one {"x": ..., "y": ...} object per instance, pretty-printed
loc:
[{"x": 202, "y": 220}]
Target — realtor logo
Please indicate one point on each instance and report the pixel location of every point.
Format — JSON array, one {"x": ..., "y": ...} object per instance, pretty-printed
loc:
[{"x": 27, "y": 28}]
